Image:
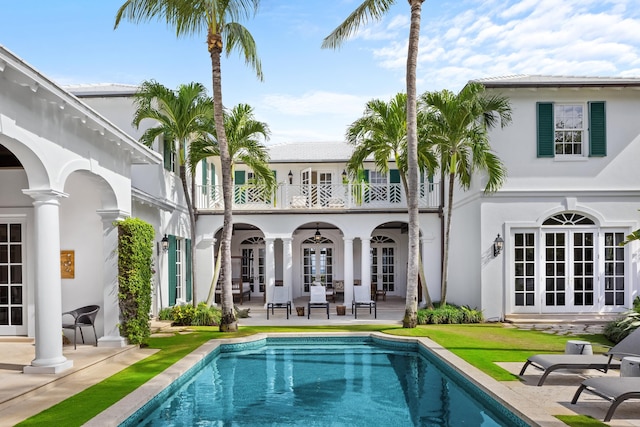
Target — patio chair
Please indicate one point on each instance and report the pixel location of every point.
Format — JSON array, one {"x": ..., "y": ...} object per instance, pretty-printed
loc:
[
  {"x": 614, "y": 389},
  {"x": 317, "y": 298},
  {"x": 83, "y": 316},
  {"x": 280, "y": 300},
  {"x": 362, "y": 298},
  {"x": 630, "y": 346}
]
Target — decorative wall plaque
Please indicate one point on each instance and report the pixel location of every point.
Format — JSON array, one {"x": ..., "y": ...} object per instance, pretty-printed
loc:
[{"x": 67, "y": 264}]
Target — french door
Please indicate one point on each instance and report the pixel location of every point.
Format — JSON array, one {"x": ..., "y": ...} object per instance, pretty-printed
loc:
[
  {"x": 253, "y": 265},
  {"x": 568, "y": 270},
  {"x": 317, "y": 264},
  {"x": 12, "y": 286},
  {"x": 383, "y": 263}
]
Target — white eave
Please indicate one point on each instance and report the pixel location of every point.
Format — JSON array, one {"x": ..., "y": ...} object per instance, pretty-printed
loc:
[
  {"x": 16, "y": 70},
  {"x": 541, "y": 81}
]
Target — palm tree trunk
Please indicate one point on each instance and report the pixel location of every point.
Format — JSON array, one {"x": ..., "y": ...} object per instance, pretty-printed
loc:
[
  {"x": 423, "y": 279},
  {"x": 229, "y": 322},
  {"x": 410, "y": 319},
  {"x": 447, "y": 233}
]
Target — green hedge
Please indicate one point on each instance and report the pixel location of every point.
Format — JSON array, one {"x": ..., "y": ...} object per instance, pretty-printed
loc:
[{"x": 135, "y": 250}]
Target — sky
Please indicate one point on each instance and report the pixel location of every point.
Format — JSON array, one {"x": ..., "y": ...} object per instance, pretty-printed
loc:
[{"x": 314, "y": 94}]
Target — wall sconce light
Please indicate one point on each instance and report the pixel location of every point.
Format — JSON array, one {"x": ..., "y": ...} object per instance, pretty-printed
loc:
[
  {"x": 290, "y": 175},
  {"x": 498, "y": 244},
  {"x": 344, "y": 175},
  {"x": 317, "y": 237},
  {"x": 164, "y": 243}
]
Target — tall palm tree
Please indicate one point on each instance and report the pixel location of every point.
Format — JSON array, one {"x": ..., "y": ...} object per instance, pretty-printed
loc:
[
  {"x": 460, "y": 124},
  {"x": 219, "y": 20},
  {"x": 182, "y": 116},
  {"x": 374, "y": 10},
  {"x": 244, "y": 134},
  {"x": 382, "y": 133}
]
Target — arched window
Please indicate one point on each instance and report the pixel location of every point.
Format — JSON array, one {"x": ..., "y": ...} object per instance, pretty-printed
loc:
[{"x": 568, "y": 218}]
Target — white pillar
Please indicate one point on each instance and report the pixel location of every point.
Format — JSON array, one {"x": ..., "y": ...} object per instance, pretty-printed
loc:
[
  {"x": 348, "y": 270},
  {"x": 48, "y": 285},
  {"x": 287, "y": 269},
  {"x": 365, "y": 262},
  {"x": 270, "y": 268},
  {"x": 206, "y": 261},
  {"x": 110, "y": 303}
]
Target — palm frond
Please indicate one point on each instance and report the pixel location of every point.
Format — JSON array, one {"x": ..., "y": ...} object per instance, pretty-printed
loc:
[{"x": 369, "y": 10}]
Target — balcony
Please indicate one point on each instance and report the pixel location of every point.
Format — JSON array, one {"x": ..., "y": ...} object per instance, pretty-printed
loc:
[{"x": 327, "y": 197}]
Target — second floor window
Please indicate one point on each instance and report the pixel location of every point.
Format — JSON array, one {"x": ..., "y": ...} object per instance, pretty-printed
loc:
[{"x": 569, "y": 129}]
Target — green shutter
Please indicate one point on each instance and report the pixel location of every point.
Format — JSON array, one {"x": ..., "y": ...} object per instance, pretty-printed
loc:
[
  {"x": 204, "y": 177},
  {"x": 597, "y": 129},
  {"x": 213, "y": 181},
  {"x": 187, "y": 260},
  {"x": 395, "y": 193},
  {"x": 545, "y": 129},
  {"x": 171, "y": 258},
  {"x": 239, "y": 193},
  {"x": 166, "y": 153}
]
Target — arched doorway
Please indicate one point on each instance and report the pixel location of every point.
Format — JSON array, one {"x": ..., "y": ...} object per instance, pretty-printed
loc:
[
  {"x": 383, "y": 263},
  {"x": 317, "y": 261}
]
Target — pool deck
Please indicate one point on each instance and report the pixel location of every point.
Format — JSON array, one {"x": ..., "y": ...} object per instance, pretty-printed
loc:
[{"x": 22, "y": 396}]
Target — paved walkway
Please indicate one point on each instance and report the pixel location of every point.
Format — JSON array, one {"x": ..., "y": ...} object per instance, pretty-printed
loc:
[{"x": 22, "y": 396}]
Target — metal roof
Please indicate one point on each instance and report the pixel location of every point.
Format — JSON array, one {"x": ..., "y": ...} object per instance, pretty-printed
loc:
[
  {"x": 530, "y": 80},
  {"x": 311, "y": 152}
]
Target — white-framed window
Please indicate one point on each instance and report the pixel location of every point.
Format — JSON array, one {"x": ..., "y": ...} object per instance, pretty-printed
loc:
[{"x": 569, "y": 129}]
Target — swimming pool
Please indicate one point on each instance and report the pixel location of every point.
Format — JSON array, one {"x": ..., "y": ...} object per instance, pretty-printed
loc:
[{"x": 363, "y": 380}]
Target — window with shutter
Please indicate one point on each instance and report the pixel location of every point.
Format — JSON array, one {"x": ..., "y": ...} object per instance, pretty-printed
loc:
[{"x": 597, "y": 129}]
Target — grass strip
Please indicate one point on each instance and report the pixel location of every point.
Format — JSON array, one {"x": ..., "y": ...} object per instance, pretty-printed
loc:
[
  {"x": 482, "y": 345},
  {"x": 580, "y": 421}
]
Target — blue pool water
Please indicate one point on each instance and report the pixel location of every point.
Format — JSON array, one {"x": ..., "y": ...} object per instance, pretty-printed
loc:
[{"x": 355, "y": 381}]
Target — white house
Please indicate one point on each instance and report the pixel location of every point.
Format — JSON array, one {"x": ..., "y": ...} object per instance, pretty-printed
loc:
[{"x": 70, "y": 165}]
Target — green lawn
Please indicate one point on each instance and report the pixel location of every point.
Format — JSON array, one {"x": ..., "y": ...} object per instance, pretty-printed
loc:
[{"x": 481, "y": 345}]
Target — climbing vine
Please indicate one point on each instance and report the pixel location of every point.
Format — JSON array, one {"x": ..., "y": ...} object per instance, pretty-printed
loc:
[{"x": 135, "y": 251}]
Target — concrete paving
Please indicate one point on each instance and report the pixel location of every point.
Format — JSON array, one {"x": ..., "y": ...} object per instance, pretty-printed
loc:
[{"x": 22, "y": 396}]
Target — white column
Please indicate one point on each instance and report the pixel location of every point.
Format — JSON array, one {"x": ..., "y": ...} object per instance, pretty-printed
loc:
[
  {"x": 205, "y": 260},
  {"x": 110, "y": 303},
  {"x": 348, "y": 270},
  {"x": 270, "y": 268},
  {"x": 48, "y": 285},
  {"x": 287, "y": 269},
  {"x": 365, "y": 262}
]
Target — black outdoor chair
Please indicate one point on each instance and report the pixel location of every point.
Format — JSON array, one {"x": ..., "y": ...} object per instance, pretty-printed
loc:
[{"x": 83, "y": 316}]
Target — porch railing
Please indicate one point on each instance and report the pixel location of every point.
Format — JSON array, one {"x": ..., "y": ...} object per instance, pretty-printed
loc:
[{"x": 317, "y": 196}]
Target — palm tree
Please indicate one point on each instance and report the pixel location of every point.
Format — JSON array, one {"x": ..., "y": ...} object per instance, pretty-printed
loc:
[
  {"x": 243, "y": 136},
  {"x": 219, "y": 20},
  {"x": 459, "y": 132},
  {"x": 382, "y": 133},
  {"x": 375, "y": 9},
  {"x": 182, "y": 116}
]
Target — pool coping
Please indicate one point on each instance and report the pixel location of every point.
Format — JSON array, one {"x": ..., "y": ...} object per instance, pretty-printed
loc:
[{"x": 524, "y": 408}]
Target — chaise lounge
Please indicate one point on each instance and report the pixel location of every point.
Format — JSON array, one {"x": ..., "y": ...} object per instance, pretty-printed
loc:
[
  {"x": 630, "y": 346},
  {"x": 614, "y": 389}
]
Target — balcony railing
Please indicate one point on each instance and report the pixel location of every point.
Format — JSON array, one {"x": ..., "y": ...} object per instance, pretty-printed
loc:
[{"x": 317, "y": 196}]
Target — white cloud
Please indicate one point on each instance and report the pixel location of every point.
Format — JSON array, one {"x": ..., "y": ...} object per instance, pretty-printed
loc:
[{"x": 315, "y": 102}]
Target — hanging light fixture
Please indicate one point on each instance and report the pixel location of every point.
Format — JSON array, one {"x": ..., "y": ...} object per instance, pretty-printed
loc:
[
  {"x": 317, "y": 237},
  {"x": 290, "y": 175}
]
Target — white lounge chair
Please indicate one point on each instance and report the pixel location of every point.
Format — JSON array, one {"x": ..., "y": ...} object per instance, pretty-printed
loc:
[
  {"x": 630, "y": 346},
  {"x": 614, "y": 389},
  {"x": 362, "y": 298},
  {"x": 317, "y": 298},
  {"x": 280, "y": 300}
]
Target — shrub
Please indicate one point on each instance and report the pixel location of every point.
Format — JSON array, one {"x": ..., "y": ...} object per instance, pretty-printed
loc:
[
  {"x": 187, "y": 315},
  {"x": 617, "y": 330},
  {"x": 449, "y": 314},
  {"x": 135, "y": 250},
  {"x": 166, "y": 314}
]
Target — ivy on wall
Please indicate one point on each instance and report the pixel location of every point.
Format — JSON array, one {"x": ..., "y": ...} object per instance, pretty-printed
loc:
[{"x": 135, "y": 251}]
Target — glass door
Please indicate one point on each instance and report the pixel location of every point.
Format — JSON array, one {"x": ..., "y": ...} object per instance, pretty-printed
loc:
[
  {"x": 383, "y": 263},
  {"x": 317, "y": 265},
  {"x": 12, "y": 298},
  {"x": 253, "y": 264}
]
